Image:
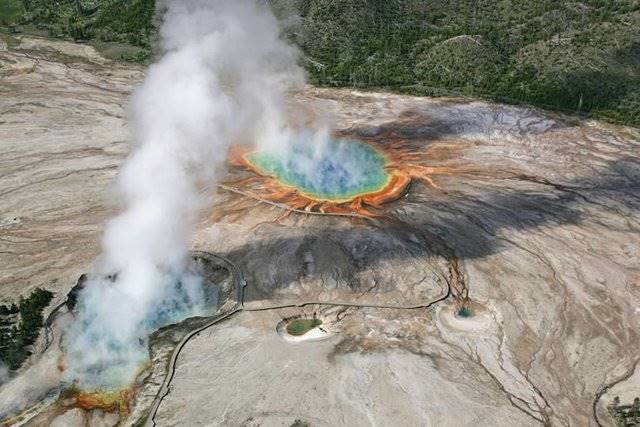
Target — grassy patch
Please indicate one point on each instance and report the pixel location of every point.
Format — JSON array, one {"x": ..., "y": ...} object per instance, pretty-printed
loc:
[
  {"x": 20, "y": 325},
  {"x": 121, "y": 51},
  {"x": 112, "y": 24},
  {"x": 10, "y": 12},
  {"x": 300, "y": 327},
  {"x": 625, "y": 415}
]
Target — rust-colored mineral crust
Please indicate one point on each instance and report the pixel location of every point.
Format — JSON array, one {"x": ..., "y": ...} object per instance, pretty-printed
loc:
[
  {"x": 400, "y": 167},
  {"x": 107, "y": 401}
]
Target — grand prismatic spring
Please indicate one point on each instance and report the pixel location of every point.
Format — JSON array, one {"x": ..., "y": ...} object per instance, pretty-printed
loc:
[
  {"x": 341, "y": 171},
  {"x": 343, "y": 175}
]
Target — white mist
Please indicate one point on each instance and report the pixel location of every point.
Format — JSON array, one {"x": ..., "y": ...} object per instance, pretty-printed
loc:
[{"x": 222, "y": 79}]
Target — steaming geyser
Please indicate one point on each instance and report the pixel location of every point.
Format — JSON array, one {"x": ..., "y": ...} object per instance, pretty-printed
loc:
[
  {"x": 224, "y": 71},
  {"x": 185, "y": 295},
  {"x": 341, "y": 171}
]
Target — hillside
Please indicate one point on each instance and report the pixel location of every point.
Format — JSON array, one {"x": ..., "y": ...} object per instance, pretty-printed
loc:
[
  {"x": 504, "y": 281},
  {"x": 582, "y": 57}
]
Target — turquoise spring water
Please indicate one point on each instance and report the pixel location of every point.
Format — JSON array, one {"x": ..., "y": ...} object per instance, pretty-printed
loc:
[
  {"x": 341, "y": 170},
  {"x": 465, "y": 312}
]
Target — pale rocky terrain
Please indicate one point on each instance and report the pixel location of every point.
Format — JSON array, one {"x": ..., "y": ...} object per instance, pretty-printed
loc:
[
  {"x": 537, "y": 221},
  {"x": 62, "y": 126}
]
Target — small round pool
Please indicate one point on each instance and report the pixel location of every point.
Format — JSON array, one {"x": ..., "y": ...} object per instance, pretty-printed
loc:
[
  {"x": 340, "y": 170},
  {"x": 298, "y": 327},
  {"x": 465, "y": 312}
]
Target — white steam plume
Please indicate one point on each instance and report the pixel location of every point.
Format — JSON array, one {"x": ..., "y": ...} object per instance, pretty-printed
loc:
[{"x": 222, "y": 79}]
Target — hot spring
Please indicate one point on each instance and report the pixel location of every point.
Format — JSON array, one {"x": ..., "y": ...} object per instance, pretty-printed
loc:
[
  {"x": 103, "y": 353},
  {"x": 335, "y": 170}
]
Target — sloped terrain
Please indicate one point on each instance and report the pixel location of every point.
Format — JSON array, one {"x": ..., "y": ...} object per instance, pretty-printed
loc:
[
  {"x": 579, "y": 56},
  {"x": 534, "y": 227}
]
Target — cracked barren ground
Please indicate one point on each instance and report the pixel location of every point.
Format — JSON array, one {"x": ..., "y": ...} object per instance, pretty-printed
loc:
[{"x": 536, "y": 222}]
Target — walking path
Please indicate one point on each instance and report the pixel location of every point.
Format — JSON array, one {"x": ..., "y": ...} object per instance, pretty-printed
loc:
[{"x": 240, "y": 284}]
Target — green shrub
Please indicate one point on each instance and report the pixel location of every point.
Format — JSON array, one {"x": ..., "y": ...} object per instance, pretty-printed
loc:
[
  {"x": 582, "y": 57},
  {"x": 10, "y": 12},
  {"x": 575, "y": 56},
  {"x": 21, "y": 332}
]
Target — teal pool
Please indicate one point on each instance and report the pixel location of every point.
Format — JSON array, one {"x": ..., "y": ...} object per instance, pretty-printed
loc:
[
  {"x": 341, "y": 170},
  {"x": 465, "y": 312}
]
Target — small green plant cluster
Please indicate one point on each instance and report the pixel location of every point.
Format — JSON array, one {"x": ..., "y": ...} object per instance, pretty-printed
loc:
[
  {"x": 299, "y": 327},
  {"x": 129, "y": 22},
  {"x": 10, "y": 12},
  {"x": 20, "y": 325},
  {"x": 625, "y": 415}
]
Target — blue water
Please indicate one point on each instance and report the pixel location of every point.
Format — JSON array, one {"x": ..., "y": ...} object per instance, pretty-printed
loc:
[
  {"x": 104, "y": 352},
  {"x": 341, "y": 170}
]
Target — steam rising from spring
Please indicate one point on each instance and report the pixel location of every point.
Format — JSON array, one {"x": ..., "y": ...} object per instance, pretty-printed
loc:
[{"x": 222, "y": 80}]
